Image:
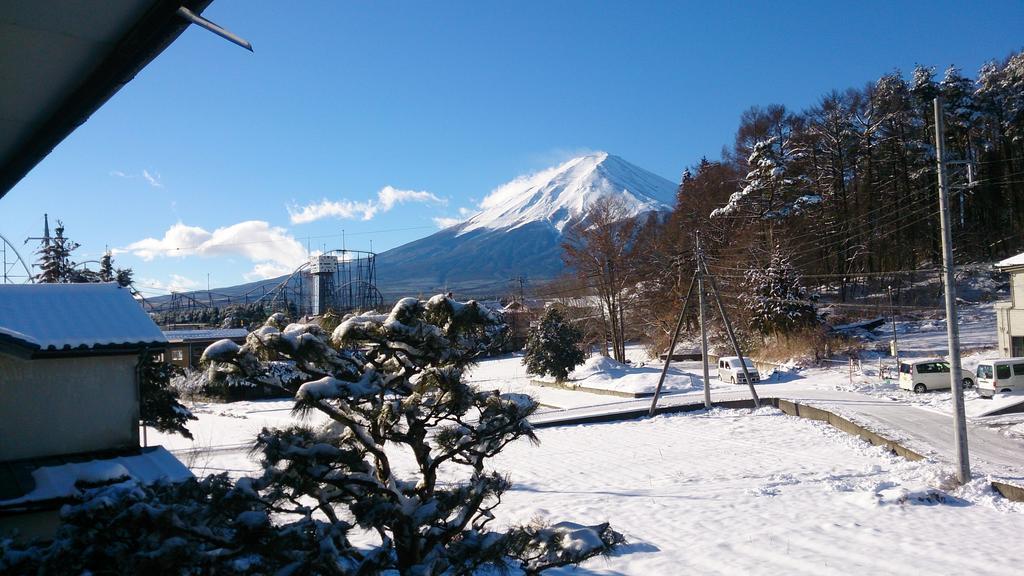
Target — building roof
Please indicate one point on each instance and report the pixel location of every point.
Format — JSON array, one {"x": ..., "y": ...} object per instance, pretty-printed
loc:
[
  {"x": 1012, "y": 261},
  {"x": 204, "y": 334},
  {"x": 60, "y": 60},
  {"x": 40, "y": 319},
  {"x": 51, "y": 481}
]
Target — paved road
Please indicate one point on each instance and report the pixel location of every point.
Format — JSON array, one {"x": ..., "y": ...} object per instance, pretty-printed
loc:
[{"x": 923, "y": 430}]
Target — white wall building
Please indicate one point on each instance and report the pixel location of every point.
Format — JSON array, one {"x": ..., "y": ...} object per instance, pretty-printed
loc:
[
  {"x": 69, "y": 397},
  {"x": 1010, "y": 315}
]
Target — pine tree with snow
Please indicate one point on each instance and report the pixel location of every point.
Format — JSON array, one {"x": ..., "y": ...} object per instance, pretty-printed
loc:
[
  {"x": 55, "y": 265},
  {"x": 106, "y": 273},
  {"x": 770, "y": 190},
  {"x": 388, "y": 380},
  {"x": 776, "y": 298},
  {"x": 553, "y": 346}
]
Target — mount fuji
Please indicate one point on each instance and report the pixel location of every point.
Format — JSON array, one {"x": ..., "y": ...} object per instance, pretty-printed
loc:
[{"x": 519, "y": 228}]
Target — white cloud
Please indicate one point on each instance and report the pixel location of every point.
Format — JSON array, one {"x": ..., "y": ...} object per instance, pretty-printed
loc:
[
  {"x": 270, "y": 248},
  {"x": 387, "y": 198},
  {"x": 177, "y": 283},
  {"x": 264, "y": 270},
  {"x": 448, "y": 221},
  {"x": 153, "y": 179}
]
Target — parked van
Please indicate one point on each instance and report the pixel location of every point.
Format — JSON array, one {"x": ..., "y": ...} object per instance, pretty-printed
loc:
[
  {"x": 924, "y": 375},
  {"x": 730, "y": 370},
  {"x": 1000, "y": 375}
]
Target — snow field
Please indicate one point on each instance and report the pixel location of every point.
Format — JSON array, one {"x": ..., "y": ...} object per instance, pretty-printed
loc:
[{"x": 734, "y": 492}]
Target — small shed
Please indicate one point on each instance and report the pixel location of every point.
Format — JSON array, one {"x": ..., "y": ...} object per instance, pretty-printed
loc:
[
  {"x": 185, "y": 347},
  {"x": 69, "y": 394},
  {"x": 1010, "y": 314}
]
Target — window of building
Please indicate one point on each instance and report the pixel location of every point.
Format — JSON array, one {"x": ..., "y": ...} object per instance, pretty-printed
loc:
[{"x": 177, "y": 355}]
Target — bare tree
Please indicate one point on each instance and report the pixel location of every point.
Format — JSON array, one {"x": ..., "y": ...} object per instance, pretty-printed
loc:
[{"x": 599, "y": 249}]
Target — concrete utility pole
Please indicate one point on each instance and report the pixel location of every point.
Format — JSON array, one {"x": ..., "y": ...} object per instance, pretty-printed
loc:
[
  {"x": 963, "y": 472},
  {"x": 703, "y": 327},
  {"x": 895, "y": 342}
]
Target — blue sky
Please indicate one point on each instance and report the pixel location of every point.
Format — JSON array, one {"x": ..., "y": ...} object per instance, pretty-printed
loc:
[{"x": 216, "y": 161}]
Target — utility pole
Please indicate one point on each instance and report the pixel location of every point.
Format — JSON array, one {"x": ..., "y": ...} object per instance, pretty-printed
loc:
[
  {"x": 729, "y": 331},
  {"x": 952, "y": 330},
  {"x": 703, "y": 326},
  {"x": 672, "y": 346},
  {"x": 895, "y": 343}
]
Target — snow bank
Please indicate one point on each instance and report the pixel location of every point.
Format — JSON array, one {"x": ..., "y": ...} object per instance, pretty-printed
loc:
[{"x": 71, "y": 479}]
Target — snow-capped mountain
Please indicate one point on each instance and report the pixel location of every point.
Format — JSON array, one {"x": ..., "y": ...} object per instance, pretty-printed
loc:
[
  {"x": 563, "y": 194},
  {"x": 518, "y": 230}
]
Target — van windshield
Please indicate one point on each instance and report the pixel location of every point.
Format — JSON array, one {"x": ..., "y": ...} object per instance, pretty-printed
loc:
[
  {"x": 985, "y": 371},
  {"x": 736, "y": 363}
]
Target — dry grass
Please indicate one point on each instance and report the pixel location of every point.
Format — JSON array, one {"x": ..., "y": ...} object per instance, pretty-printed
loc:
[{"x": 808, "y": 345}]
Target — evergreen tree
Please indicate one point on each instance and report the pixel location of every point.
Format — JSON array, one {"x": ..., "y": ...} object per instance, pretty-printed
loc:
[
  {"x": 158, "y": 402},
  {"x": 553, "y": 346},
  {"x": 777, "y": 300},
  {"x": 106, "y": 273},
  {"x": 55, "y": 265}
]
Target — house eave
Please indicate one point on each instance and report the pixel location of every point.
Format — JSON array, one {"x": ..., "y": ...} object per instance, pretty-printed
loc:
[{"x": 155, "y": 30}]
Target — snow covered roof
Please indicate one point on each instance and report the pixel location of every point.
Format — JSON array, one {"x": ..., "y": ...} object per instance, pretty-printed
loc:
[
  {"x": 57, "y": 317},
  {"x": 205, "y": 334},
  {"x": 35, "y": 483},
  {"x": 1012, "y": 261}
]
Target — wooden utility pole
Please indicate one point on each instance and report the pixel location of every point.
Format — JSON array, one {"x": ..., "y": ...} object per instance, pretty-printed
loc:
[
  {"x": 703, "y": 326},
  {"x": 963, "y": 472},
  {"x": 671, "y": 347},
  {"x": 728, "y": 330}
]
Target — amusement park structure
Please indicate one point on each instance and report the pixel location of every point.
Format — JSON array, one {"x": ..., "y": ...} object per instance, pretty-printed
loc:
[
  {"x": 337, "y": 280},
  {"x": 15, "y": 270}
]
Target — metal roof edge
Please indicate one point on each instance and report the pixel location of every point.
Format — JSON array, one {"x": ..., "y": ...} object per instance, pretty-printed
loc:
[{"x": 150, "y": 36}]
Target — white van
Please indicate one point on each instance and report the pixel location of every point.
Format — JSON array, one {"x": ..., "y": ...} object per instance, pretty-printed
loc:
[
  {"x": 924, "y": 375},
  {"x": 1000, "y": 375},
  {"x": 730, "y": 370}
]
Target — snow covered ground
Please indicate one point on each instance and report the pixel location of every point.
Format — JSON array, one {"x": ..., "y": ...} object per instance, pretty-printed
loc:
[
  {"x": 738, "y": 491},
  {"x": 734, "y": 492}
]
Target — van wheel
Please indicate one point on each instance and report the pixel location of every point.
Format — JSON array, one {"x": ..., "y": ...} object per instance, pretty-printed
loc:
[
  {"x": 1005, "y": 390},
  {"x": 920, "y": 388},
  {"x": 968, "y": 383}
]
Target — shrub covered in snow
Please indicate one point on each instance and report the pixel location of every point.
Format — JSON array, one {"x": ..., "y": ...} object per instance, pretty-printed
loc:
[
  {"x": 392, "y": 387},
  {"x": 553, "y": 346}
]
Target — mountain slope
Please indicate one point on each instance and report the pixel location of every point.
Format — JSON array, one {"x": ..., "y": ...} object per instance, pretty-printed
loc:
[{"x": 519, "y": 228}]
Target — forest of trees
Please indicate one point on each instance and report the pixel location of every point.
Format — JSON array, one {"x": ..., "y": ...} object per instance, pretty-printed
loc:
[{"x": 845, "y": 191}]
